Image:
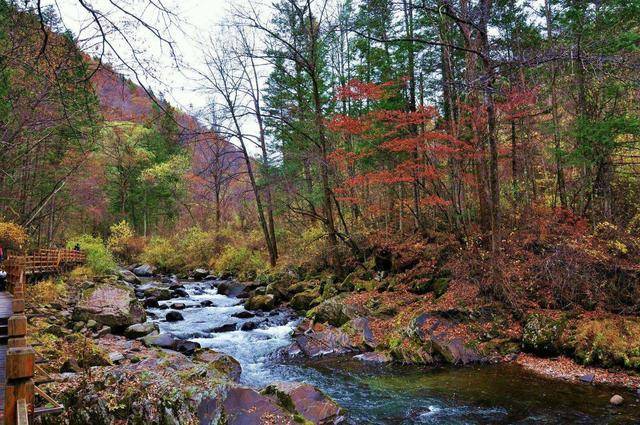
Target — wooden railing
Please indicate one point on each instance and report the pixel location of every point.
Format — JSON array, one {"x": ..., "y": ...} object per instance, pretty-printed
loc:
[
  {"x": 20, "y": 388},
  {"x": 21, "y": 357},
  {"x": 47, "y": 261}
]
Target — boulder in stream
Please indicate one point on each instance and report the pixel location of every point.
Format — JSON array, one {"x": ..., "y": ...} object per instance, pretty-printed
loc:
[
  {"x": 244, "y": 406},
  {"x": 144, "y": 270},
  {"x": 174, "y": 316},
  {"x": 227, "y": 327},
  {"x": 306, "y": 401},
  {"x": 199, "y": 274},
  {"x": 222, "y": 362},
  {"x": 261, "y": 302}
]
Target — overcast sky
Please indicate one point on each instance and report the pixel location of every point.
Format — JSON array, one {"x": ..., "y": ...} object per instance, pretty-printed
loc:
[{"x": 196, "y": 19}]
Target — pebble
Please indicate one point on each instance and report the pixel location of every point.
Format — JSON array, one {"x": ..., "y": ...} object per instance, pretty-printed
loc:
[{"x": 616, "y": 400}]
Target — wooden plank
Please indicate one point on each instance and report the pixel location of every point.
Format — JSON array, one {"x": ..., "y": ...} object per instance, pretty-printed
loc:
[{"x": 23, "y": 412}]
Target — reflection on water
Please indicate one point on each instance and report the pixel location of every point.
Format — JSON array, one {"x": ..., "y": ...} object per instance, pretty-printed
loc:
[{"x": 501, "y": 394}]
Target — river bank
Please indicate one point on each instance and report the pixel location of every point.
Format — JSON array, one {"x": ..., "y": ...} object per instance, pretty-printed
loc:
[{"x": 273, "y": 344}]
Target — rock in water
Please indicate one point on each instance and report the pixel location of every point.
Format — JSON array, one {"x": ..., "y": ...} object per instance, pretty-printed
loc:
[
  {"x": 178, "y": 306},
  {"x": 243, "y": 314},
  {"x": 199, "y": 274},
  {"x": 243, "y": 406},
  {"x": 110, "y": 304},
  {"x": 616, "y": 400},
  {"x": 228, "y": 327},
  {"x": 174, "y": 316},
  {"x": 144, "y": 270},
  {"x": 260, "y": 302},
  {"x": 307, "y": 401}
]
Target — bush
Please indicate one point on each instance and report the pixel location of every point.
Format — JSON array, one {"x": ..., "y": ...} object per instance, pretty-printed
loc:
[
  {"x": 12, "y": 234},
  {"x": 608, "y": 342},
  {"x": 162, "y": 253},
  {"x": 46, "y": 291},
  {"x": 123, "y": 242},
  {"x": 239, "y": 261},
  {"x": 99, "y": 258}
]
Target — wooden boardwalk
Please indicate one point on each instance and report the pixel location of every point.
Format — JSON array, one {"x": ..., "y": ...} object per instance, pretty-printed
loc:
[
  {"x": 6, "y": 311},
  {"x": 18, "y": 388}
]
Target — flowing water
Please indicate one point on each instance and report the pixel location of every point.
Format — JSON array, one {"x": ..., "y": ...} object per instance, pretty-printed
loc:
[{"x": 501, "y": 394}]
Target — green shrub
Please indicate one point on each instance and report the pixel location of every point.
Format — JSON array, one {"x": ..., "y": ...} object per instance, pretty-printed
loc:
[
  {"x": 123, "y": 242},
  {"x": 99, "y": 258},
  {"x": 196, "y": 247},
  {"x": 607, "y": 342},
  {"x": 163, "y": 254},
  {"x": 239, "y": 261}
]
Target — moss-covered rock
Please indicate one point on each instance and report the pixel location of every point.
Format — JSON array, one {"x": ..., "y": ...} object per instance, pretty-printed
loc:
[
  {"x": 304, "y": 300},
  {"x": 335, "y": 311},
  {"x": 541, "y": 334},
  {"x": 261, "y": 302}
]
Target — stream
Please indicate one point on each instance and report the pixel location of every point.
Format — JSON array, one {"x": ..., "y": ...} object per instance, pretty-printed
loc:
[{"x": 390, "y": 394}]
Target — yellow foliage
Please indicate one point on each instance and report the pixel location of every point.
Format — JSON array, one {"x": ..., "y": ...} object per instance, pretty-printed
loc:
[
  {"x": 46, "y": 291},
  {"x": 13, "y": 234}
]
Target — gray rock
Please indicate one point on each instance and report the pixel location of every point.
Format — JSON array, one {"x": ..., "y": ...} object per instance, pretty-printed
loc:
[
  {"x": 109, "y": 304},
  {"x": 115, "y": 357},
  {"x": 128, "y": 276},
  {"x": 162, "y": 341},
  {"x": 145, "y": 270},
  {"x": 199, "y": 274},
  {"x": 139, "y": 330},
  {"x": 374, "y": 357}
]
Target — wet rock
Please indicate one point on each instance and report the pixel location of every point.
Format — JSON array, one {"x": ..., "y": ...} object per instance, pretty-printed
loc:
[
  {"x": 261, "y": 302},
  {"x": 92, "y": 324},
  {"x": 454, "y": 350},
  {"x": 162, "y": 341},
  {"x": 302, "y": 301},
  {"x": 321, "y": 340},
  {"x": 199, "y": 274},
  {"x": 163, "y": 307},
  {"x": 173, "y": 316},
  {"x": 128, "y": 276},
  {"x": 243, "y": 315},
  {"x": 140, "y": 329},
  {"x": 306, "y": 401},
  {"x": 145, "y": 270},
  {"x": 230, "y": 288},
  {"x": 227, "y": 327},
  {"x": 249, "y": 326},
  {"x": 244, "y": 406},
  {"x": 159, "y": 293},
  {"x": 374, "y": 357},
  {"x": 151, "y": 303},
  {"x": 541, "y": 334},
  {"x": 616, "y": 400},
  {"x": 223, "y": 363},
  {"x": 335, "y": 311},
  {"x": 178, "y": 306},
  {"x": 109, "y": 304},
  {"x": 180, "y": 293},
  {"x": 206, "y": 303},
  {"x": 186, "y": 347}
]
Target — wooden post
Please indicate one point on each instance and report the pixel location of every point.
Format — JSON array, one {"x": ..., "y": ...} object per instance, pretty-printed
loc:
[{"x": 21, "y": 358}]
